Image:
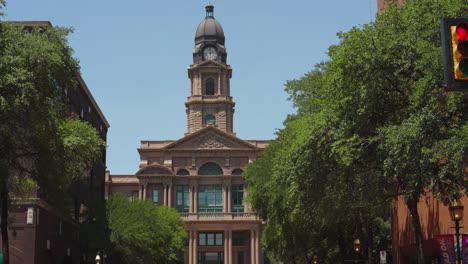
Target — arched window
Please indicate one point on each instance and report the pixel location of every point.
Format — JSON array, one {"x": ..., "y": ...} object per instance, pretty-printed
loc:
[
  {"x": 237, "y": 172},
  {"x": 210, "y": 168},
  {"x": 210, "y": 119},
  {"x": 209, "y": 86},
  {"x": 183, "y": 172}
]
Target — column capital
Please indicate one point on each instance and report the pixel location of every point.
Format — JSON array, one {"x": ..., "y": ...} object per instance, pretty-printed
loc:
[
  {"x": 167, "y": 182},
  {"x": 193, "y": 183},
  {"x": 227, "y": 182},
  {"x": 142, "y": 181}
]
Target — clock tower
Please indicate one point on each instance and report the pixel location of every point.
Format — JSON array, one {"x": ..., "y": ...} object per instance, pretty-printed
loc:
[{"x": 209, "y": 103}]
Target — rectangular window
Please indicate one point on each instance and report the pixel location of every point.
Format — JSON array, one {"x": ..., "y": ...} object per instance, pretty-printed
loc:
[
  {"x": 219, "y": 239},
  {"x": 210, "y": 198},
  {"x": 237, "y": 198},
  {"x": 183, "y": 198},
  {"x": 202, "y": 239},
  {"x": 155, "y": 196},
  {"x": 210, "y": 239}
]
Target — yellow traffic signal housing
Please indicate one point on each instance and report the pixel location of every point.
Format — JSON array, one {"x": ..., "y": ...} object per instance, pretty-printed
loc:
[
  {"x": 454, "y": 33},
  {"x": 460, "y": 50}
]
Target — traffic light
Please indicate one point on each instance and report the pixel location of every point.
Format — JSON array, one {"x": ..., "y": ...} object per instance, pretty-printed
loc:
[{"x": 454, "y": 33}]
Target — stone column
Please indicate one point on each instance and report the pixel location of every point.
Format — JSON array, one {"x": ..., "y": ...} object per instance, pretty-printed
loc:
[
  {"x": 145, "y": 187},
  {"x": 195, "y": 199},
  {"x": 226, "y": 245},
  {"x": 165, "y": 194},
  {"x": 218, "y": 86},
  {"x": 190, "y": 247},
  {"x": 257, "y": 246},
  {"x": 169, "y": 202},
  {"x": 252, "y": 246},
  {"x": 190, "y": 199},
  {"x": 140, "y": 193},
  {"x": 195, "y": 250},
  {"x": 230, "y": 247},
  {"x": 225, "y": 198},
  {"x": 229, "y": 200}
]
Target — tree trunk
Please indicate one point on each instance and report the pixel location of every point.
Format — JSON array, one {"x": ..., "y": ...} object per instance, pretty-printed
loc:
[
  {"x": 4, "y": 217},
  {"x": 370, "y": 245},
  {"x": 343, "y": 249},
  {"x": 413, "y": 208}
]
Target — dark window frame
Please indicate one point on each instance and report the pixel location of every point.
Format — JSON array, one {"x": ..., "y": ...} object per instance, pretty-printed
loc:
[{"x": 210, "y": 86}]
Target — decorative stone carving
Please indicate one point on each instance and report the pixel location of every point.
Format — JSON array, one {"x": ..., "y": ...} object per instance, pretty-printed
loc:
[
  {"x": 197, "y": 113},
  {"x": 211, "y": 141},
  {"x": 222, "y": 114}
]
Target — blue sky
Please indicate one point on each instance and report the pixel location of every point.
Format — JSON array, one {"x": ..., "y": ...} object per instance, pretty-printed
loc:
[{"x": 134, "y": 57}]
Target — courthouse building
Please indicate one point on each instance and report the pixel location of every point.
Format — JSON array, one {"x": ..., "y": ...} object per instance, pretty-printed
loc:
[{"x": 200, "y": 175}]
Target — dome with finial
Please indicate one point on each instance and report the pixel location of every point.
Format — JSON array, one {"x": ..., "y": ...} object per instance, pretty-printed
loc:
[{"x": 209, "y": 29}]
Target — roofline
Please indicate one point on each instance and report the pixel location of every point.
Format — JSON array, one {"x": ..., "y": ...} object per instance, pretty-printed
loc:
[
  {"x": 256, "y": 149},
  {"x": 93, "y": 102},
  {"x": 33, "y": 23},
  {"x": 203, "y": 130}
]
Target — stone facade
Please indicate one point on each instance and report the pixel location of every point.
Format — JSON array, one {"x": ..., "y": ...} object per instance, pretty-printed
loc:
[
  {"x": 160, "y": 174},
  {"x": 200, "y": 175},
  {"x": 200, "y": 103}
]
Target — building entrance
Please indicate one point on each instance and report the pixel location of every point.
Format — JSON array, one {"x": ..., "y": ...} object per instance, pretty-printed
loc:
[{"x": 210, "y": 258}]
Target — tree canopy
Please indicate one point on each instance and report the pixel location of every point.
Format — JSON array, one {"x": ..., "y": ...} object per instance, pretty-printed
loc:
[
  {"x": 373, "y": 122},
  {"x": 39, "y": 140},
  {"x": 141, "y": 232}
]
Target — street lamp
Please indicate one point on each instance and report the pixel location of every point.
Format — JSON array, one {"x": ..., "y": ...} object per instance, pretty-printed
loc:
[
  {"x": 315, "y": 259},
  {"x": 357, "y": 248},
  {"x": 98, "y": 259},
  {"x": 456, "y": 212}
]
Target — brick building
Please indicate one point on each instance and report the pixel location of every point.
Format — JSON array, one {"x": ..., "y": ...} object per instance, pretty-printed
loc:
[
  {"x": 38, "y": 232},
  {"x": 200, "y": 175}
]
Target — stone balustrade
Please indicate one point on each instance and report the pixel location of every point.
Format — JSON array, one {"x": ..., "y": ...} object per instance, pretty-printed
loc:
[{"x": 218, "y": 216}]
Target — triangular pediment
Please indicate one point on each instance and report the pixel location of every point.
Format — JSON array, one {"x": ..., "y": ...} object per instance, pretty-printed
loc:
[{"x": 209, "y": 138}]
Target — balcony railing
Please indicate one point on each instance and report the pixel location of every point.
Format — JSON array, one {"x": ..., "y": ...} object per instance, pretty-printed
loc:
[{"x": 219, "y": 216}]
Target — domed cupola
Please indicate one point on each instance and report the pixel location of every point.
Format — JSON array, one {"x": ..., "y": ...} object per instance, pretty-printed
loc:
[
  {"x": 209, "y": 39},
  {"x": 209, "y": 29}
]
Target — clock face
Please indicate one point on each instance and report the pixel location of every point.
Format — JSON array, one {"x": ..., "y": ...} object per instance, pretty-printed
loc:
[{"x": 209, "y": 53}]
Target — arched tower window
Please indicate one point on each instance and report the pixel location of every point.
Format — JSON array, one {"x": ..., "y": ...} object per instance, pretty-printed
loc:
[
  {"x": 183, "y": 172},
  {"x": 210, "y": 168},
  {"x": 237, "y": 171},
  {"x": 209, "y": 86},
  {"x": 210, "y": 119}
]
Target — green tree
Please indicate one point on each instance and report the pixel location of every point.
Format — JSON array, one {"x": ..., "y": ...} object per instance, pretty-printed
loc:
[
  {"x": 373, "y": 123},
  {"x": 39, "y": 141},
  {"x": 142, "y": 232}
]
